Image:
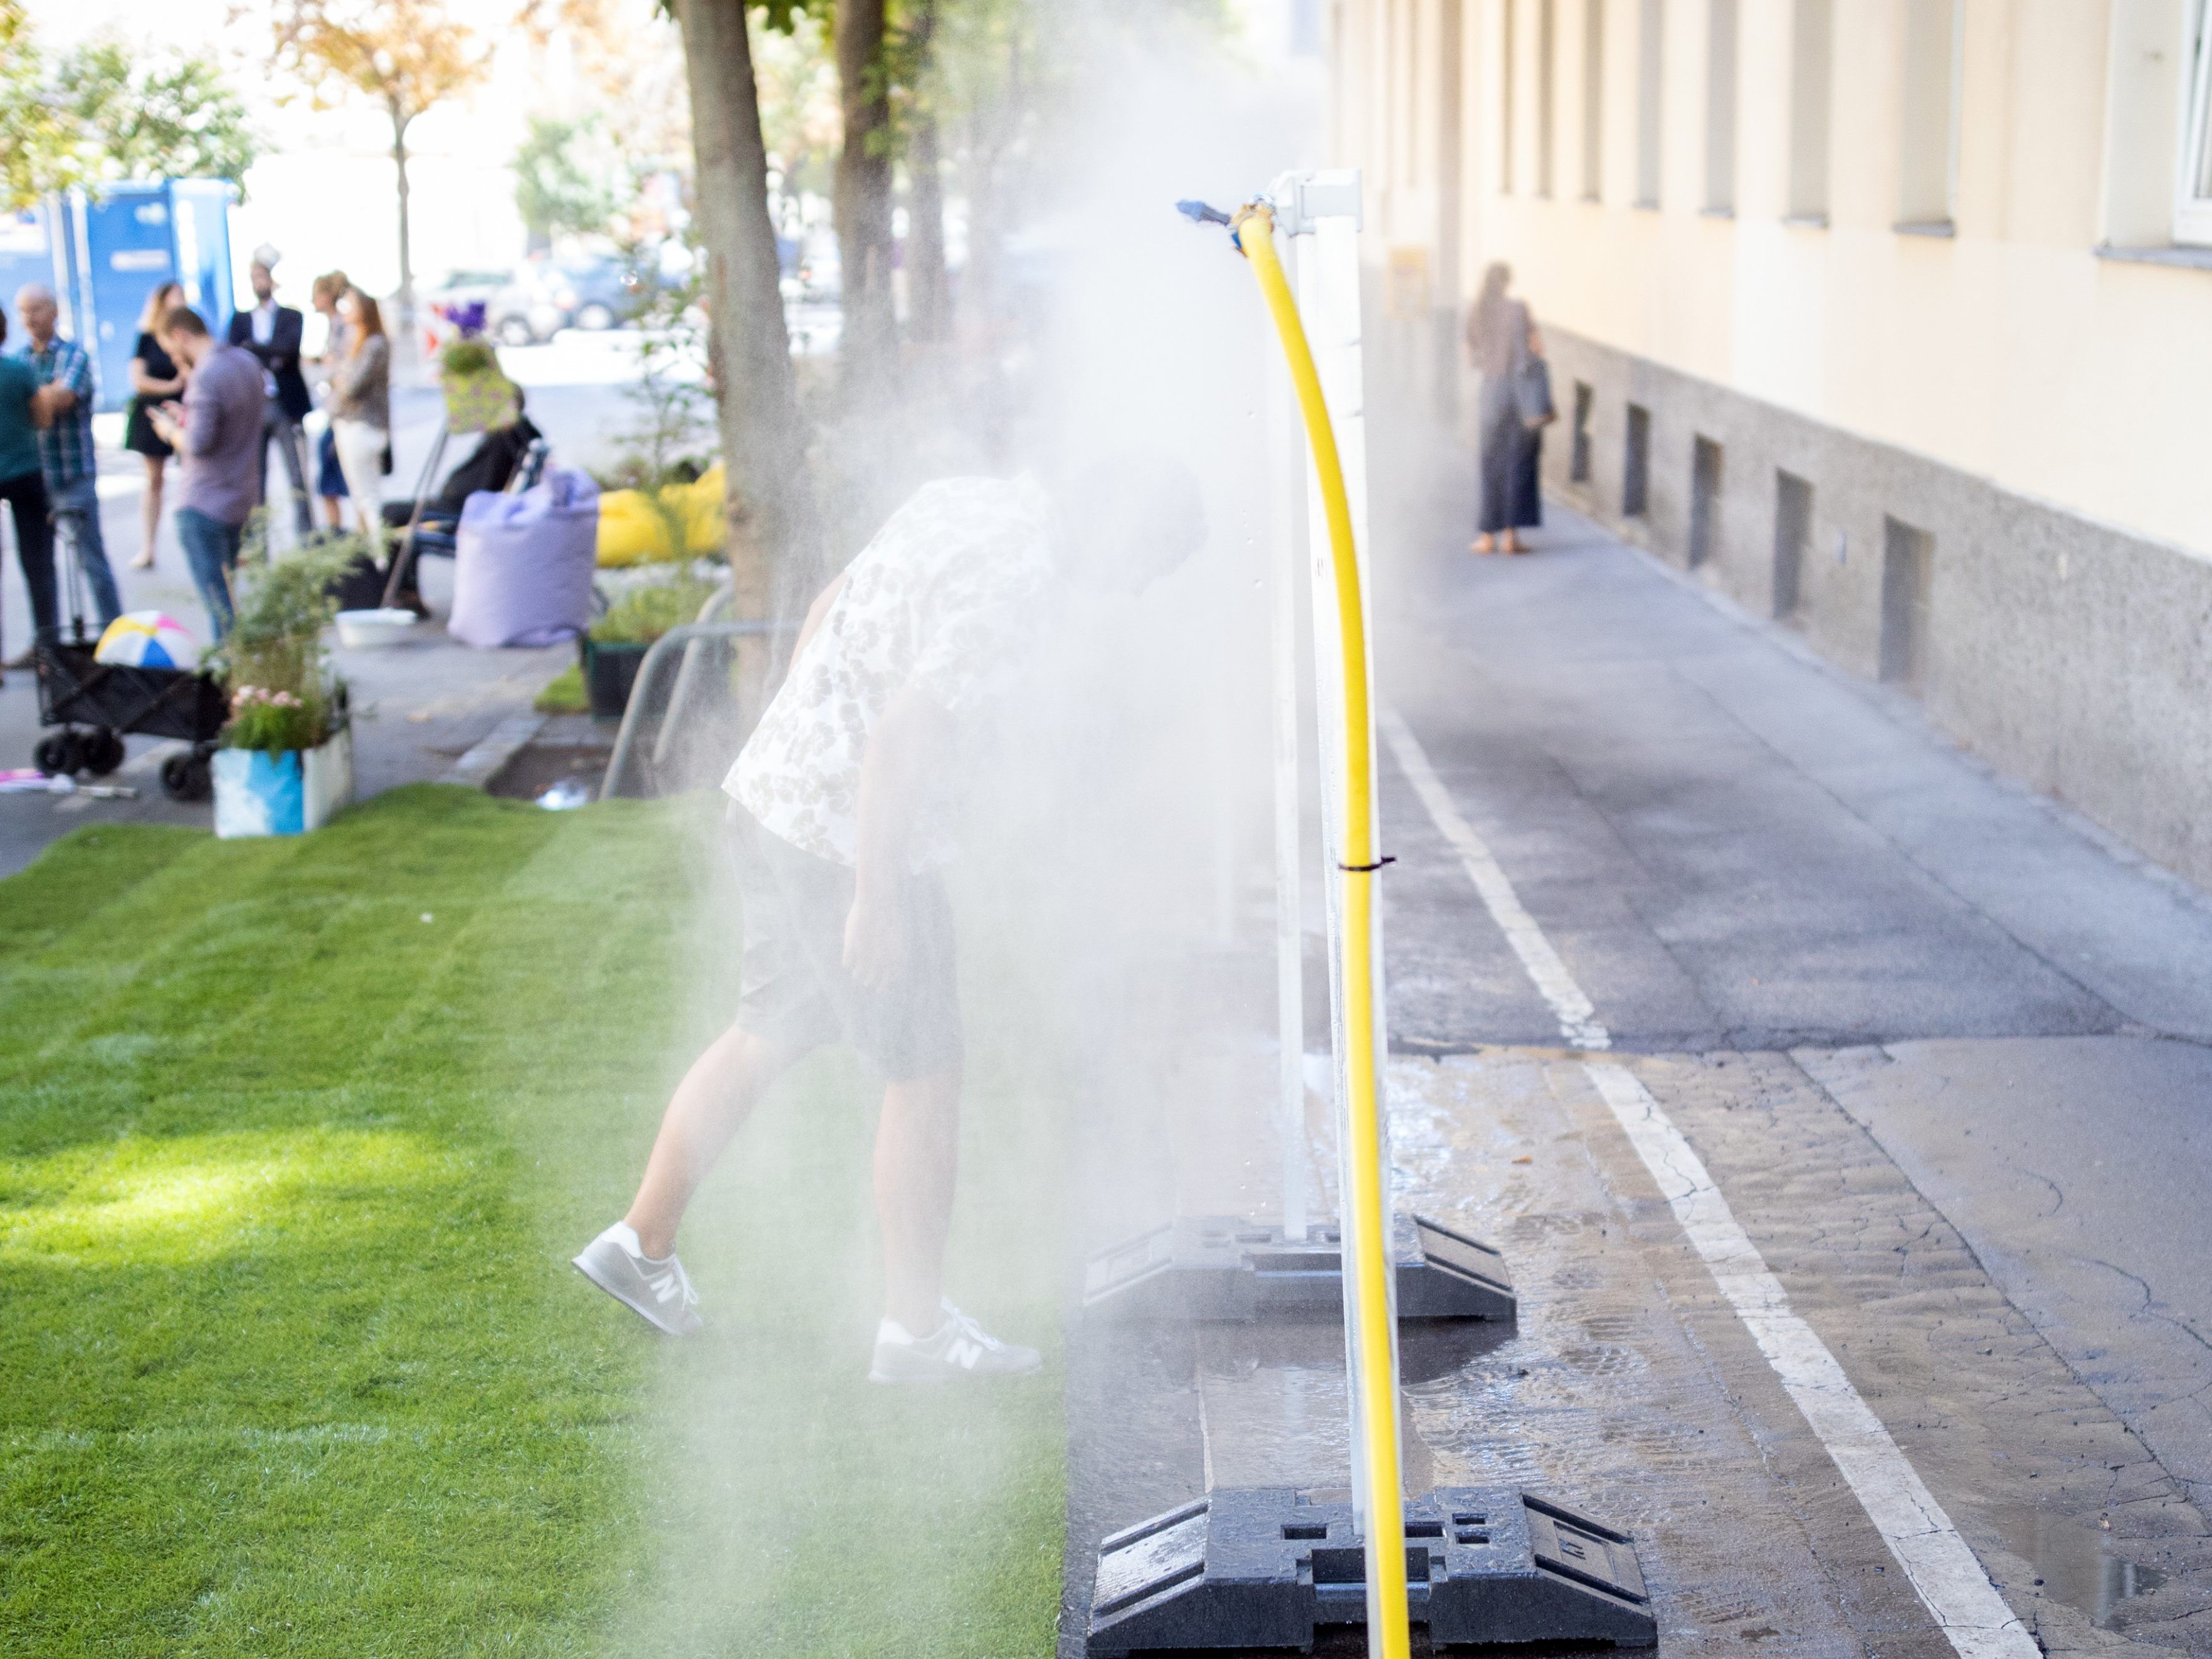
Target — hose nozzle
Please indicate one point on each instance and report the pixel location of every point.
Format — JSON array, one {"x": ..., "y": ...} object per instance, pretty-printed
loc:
[{"x": 1198, "y": 213}]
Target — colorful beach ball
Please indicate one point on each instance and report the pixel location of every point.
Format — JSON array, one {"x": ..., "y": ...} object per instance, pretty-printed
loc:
[{"x": 147, "y": 639}]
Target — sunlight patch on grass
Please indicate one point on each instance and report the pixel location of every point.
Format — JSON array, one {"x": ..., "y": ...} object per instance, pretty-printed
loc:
[{"x": 198, "y": 1197}]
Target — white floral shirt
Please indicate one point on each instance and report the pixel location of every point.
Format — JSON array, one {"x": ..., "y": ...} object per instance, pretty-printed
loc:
[{"x": 942, "y": 598}]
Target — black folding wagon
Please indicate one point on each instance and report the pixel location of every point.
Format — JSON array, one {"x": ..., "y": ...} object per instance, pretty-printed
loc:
[{"x": 96, "y": 703}]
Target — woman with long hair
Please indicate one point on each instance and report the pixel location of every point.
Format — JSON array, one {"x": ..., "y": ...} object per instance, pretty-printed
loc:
[
  {"x": 154, "y": 378},
  {"x": 330, "y": 477},
  {"x": 361, "y": 409},
  {"x": 1502, "y": 337}
]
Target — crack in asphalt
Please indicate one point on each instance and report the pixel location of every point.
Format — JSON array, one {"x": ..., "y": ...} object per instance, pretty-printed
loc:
[{"x": 2143, "y": 1286}]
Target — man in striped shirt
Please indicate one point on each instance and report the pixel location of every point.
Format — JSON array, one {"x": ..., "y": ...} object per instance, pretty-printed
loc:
[{"x": 65, "y": 452}]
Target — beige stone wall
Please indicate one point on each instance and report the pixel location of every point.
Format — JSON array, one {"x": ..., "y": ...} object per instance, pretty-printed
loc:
[{"x": 2009, "y": 349}]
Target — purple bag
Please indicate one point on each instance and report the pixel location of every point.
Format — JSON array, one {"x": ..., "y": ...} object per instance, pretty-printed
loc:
[{"x": 523, "y": 564}]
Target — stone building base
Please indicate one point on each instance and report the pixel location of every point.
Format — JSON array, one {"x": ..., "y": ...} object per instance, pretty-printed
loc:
[{"x": 2068, "y": 654}]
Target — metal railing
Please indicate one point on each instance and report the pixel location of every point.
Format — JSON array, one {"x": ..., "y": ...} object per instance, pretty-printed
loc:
[{"x": 660, "y": 660}]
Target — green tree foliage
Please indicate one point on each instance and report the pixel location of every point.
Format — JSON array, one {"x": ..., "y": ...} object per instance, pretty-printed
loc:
[
  {"x": 35, "y": 153},
  {"x": 158, "y": 116},
  {"x": 104, "y": 112},
  {"x": 784, "y": 16},
  {"x": 563, "y": 179}
]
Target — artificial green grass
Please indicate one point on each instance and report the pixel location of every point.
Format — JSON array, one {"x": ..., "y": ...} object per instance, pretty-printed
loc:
[
  {"x": 295, "y": 1138},
  {"x": 565, "y": 693}
]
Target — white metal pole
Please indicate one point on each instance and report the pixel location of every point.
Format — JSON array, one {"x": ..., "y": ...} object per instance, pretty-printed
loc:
[
  {"x": 1285, "y": 462},
  {"x": 1323, "y": 215}
]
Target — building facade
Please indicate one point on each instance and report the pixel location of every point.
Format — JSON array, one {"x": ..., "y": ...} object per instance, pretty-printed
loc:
[{"x": 1891, "y": 319}]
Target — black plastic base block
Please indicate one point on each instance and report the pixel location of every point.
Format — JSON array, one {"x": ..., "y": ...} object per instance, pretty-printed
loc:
[
  {"x": 1217, "y": 1267},
  {"x": 1265, "y": 1568}
]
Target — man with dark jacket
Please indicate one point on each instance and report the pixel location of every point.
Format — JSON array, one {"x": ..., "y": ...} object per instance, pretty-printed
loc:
[{"x": 272, "y": 332}]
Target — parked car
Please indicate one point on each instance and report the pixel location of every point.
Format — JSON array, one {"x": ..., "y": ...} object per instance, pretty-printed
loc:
[{"x": 543, "y": 297}]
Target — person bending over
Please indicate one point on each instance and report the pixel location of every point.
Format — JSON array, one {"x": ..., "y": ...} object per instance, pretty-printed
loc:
[{"x": 839, "y": 819}]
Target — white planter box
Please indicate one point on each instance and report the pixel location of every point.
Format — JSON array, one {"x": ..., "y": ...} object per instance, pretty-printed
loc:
[{"x": 284, "y": 795}]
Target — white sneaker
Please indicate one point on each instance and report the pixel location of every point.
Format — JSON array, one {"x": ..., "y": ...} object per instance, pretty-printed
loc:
[
  {"x": 660, "y": 1292},
  {"x": 958, "y": 1347}
]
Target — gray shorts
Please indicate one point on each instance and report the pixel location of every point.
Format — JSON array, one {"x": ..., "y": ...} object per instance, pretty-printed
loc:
[{"x": 795, "y": 990}]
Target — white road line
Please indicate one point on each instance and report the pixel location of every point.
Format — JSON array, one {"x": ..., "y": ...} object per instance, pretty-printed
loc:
[
  {"x": 1576, "y": 1015},
  {"x": 1951, "y": 1582}
]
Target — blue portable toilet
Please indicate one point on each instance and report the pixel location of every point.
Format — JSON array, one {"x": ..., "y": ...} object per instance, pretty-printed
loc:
[{"x": 121, "y": 242}]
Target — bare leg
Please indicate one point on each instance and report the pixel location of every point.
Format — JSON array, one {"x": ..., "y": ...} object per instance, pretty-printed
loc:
[
  {"x": 713, "y": 1101},
  {"x": 1482, "y": 543},
  {"x": 334, "y": 510},
  {"x": 149, "y": 511},
  {"x": 917, "y": 1159},
  {"x": 1513, "y": 543}
]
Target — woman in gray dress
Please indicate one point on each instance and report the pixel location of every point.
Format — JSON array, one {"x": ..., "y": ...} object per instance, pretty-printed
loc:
[
  {"x": 1501, "y": 336},
  {"x": 361, "y": 410}
]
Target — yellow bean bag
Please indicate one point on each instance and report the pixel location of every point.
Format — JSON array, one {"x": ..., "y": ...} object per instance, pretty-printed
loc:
[{"x": 633, "y": 531}]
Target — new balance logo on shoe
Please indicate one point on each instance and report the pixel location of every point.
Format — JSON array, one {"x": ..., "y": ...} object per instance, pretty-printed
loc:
[
  {"x": 659, "y": 1292},
  {"x": 957, "y": 1348}
]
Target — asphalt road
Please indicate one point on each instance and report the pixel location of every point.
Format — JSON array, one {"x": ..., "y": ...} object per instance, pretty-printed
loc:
[{"x": 1932, "y": 1050}]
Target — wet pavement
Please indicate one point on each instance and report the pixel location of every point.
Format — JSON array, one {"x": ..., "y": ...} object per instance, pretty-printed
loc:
[{"x": 1938, "y": 1044}]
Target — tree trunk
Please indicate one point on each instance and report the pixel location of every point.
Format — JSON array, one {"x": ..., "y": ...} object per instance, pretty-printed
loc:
[
  {"x": 399, "y": 121},
  {"x": 929, "y": 297},
  {"x": 868, "y": 348},
  {"x": 772, "y": 531}
]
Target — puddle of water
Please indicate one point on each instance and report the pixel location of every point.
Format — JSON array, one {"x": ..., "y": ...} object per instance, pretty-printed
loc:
[{"x": 2074, "y": 1563}]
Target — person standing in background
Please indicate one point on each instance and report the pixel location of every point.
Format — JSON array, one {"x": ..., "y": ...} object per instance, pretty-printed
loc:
[
  {"x": 330, "y": 477},
  {"x": 65, "y": 452},
  {"x": 272, "y": 333},
  {"x": 361, "y": 410},
  {"x": 154, "y": 379},
  {"x": 220, "y": 434},
  {"x": 23, "y": 412},
  {"x": 1502, "y": 337}
]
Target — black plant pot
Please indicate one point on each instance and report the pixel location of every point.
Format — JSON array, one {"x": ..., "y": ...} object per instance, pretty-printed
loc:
[{"x": 609, "y": 672}]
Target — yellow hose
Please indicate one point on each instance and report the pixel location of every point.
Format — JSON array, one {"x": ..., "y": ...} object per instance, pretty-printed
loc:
[{"x": 1366, "y": 1222}]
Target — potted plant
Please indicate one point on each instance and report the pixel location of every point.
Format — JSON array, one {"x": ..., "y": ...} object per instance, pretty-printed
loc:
[
  {"x": 478, "y": 394},
  {"x": 615, "y": 646},
  {"x": 286, "y": 763}
]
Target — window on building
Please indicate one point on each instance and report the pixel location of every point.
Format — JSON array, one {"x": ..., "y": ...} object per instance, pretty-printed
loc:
[
  {"x": 1720, "y": 107},
  {"x": 1635, "y": 465},
  {"x": 1410, "y": 81},
  {"x": 1908, "y": 582},
  {"x": 1547, "y": 36},
  {"x": 1811, "y": 73},
  {"x": 1593, "y": 100},
  {"x": 1509, "y": 75},
  {"x": 1650, "y": 64},
  {"x": 1793, "y": 534},
  {"x": 1929, "y": 172},
  {"x": 2192, "y": 207},
  {"x": 1705, "y": 499}
]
